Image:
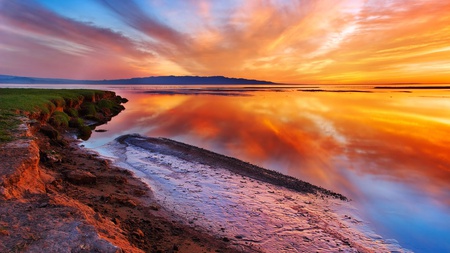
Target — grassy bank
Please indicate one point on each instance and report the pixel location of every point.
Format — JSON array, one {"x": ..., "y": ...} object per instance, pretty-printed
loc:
[{"x": 59, "y": 107}]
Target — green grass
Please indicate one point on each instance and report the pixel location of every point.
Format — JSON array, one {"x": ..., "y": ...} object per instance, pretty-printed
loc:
[
  {"x": 76, "y": 122},
  {"x": 31, "y": 100},
  {"x": 8, "y": 122},
  {"x": 84, "y": 132},
  {"x": 60, "y": 119},
  {"x": 14, "y": 102},
  {"x": 108, "y": 105},
  {"x": 89, "y": 109},
  {"x": 71, "y": 112}
]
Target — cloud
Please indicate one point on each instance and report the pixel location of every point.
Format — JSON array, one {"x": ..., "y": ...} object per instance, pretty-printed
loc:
[
  {"x": 389, "y": 38},
  {"x": 307, "y": 41},
  {"x": 131, "y": 14},
  {"x": 47, "y": 44},
  {"x": 253, "y": 37}
]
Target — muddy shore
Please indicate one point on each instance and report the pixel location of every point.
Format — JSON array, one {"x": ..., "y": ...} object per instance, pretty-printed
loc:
[
  {"x": 81, "y": 203},
  {"x": 72, "y": 200},
  {"x": 203, "y": 156},
  {"x": 58, "y": 197},
  {"x": 253, "y": 208}
]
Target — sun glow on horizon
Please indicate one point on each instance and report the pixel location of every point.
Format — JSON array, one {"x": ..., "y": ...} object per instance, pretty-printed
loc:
[{"x": 347, "y": 41}]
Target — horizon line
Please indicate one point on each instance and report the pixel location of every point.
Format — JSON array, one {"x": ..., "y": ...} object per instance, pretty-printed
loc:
[{"x": 259, "y": 80}]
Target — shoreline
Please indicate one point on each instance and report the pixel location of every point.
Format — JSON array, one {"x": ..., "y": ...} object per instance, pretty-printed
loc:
[
  {"x": 217, "y": 194},
  {"x": 77, "y": 201},
  {"x": 60, "y": 197},
  {"x": 203, "y": 156},
  {"x": 111, "y": 208},
  {"x": 89, "y": 203}
]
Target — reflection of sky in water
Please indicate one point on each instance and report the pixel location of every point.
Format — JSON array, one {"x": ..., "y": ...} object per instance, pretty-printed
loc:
[{"x": 387, "y": 151}]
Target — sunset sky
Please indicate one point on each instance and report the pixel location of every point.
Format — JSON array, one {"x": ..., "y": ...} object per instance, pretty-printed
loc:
[{"x": 303, "y": 41}]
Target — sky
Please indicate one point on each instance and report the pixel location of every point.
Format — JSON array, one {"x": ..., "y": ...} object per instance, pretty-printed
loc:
[{"x": 286, "y": 41}]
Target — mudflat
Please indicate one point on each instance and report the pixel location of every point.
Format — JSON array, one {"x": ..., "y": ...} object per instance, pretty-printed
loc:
[
  {"x": 89, "y": 205},
  {"x": 252, "y": 208}
]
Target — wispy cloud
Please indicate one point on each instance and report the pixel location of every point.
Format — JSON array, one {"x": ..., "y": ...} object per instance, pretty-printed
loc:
[
  {"x": 43, "y": 43},
  {"x": 131, "y": 14},
  {"x": 305, "y": 41}
]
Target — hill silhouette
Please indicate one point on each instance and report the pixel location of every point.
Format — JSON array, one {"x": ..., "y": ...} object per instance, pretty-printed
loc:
[{"x": 181, "y": 80}]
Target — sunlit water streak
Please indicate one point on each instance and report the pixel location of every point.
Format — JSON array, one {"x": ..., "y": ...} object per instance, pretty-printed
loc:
[{"x": 387, "y": 149}]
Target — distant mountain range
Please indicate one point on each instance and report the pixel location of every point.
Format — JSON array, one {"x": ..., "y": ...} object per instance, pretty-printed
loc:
[{"x": 181, "y": 80}]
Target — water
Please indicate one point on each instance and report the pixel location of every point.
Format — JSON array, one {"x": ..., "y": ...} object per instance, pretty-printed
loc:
[
  {"x": 270, "y": 218},
  {"x": 387, "y": 150}
]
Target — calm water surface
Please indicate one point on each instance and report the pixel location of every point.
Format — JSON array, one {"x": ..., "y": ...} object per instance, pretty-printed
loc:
[{"x": 388, "y": 150}]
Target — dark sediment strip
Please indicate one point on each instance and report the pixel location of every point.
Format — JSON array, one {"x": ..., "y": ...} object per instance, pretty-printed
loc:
[{"x": 195, "y": 154}]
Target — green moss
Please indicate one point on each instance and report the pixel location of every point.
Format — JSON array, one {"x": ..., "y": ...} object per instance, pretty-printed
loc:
[
  {"x": 58, "y": 102},
  {"x": 5, "y": 136},
  {"x": 40, "y": 102},
  {"x": 59, "y": 119},
  {"x": 84, "y": 132},
  {"x": 16, "y": 101},
  {"x": 30, "y": 100},
  {"x": 110, "y": 107},
  {"x": 105, "y": 104},
  {"x": 76, "y": 122},
  {"x": 88, "y": 109},
  {"x": 8, "y": 122},
  {"x": 72, "y": 112}
]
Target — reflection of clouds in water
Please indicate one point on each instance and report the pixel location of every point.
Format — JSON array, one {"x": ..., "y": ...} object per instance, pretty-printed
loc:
[
  {"x": 270, "y": 133},
  {"x": 403, "y": 156},
  {"x": 314, "y": 137},
  {"x": 400, "y": 142},
  {"x": 327, "y": 127},
  {"x": 387, "y": 153}
]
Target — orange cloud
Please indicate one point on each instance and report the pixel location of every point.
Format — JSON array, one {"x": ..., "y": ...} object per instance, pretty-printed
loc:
[
  {"x": 312, "y": 41},
  {"x": 395, "y": 43}
]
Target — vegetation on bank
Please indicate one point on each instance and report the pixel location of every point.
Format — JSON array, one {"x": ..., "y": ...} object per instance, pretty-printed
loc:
[{"x": 61, "y": 108}]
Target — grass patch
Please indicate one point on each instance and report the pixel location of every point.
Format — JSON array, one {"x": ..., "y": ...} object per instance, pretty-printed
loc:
[
  {"x": 15, "y": 101},
  {"x": 31, "y": 100},
  {"x": 109, "y": 106},
  {"x": 84, "y": 132},
  {"x": 89, "y": 109},
  {"x": 60, "y": 119},
  {"x": 76, "y": 122},
  {"x": 8, "y": 122},
  {"x": 71, "y": 112}
]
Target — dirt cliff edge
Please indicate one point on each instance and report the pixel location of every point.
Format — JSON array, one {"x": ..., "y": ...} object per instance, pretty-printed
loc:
[{"x": 57, "y": 197}]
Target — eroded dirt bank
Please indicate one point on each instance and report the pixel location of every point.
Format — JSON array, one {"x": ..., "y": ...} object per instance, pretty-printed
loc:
[{"x": 56, "y": 197}]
